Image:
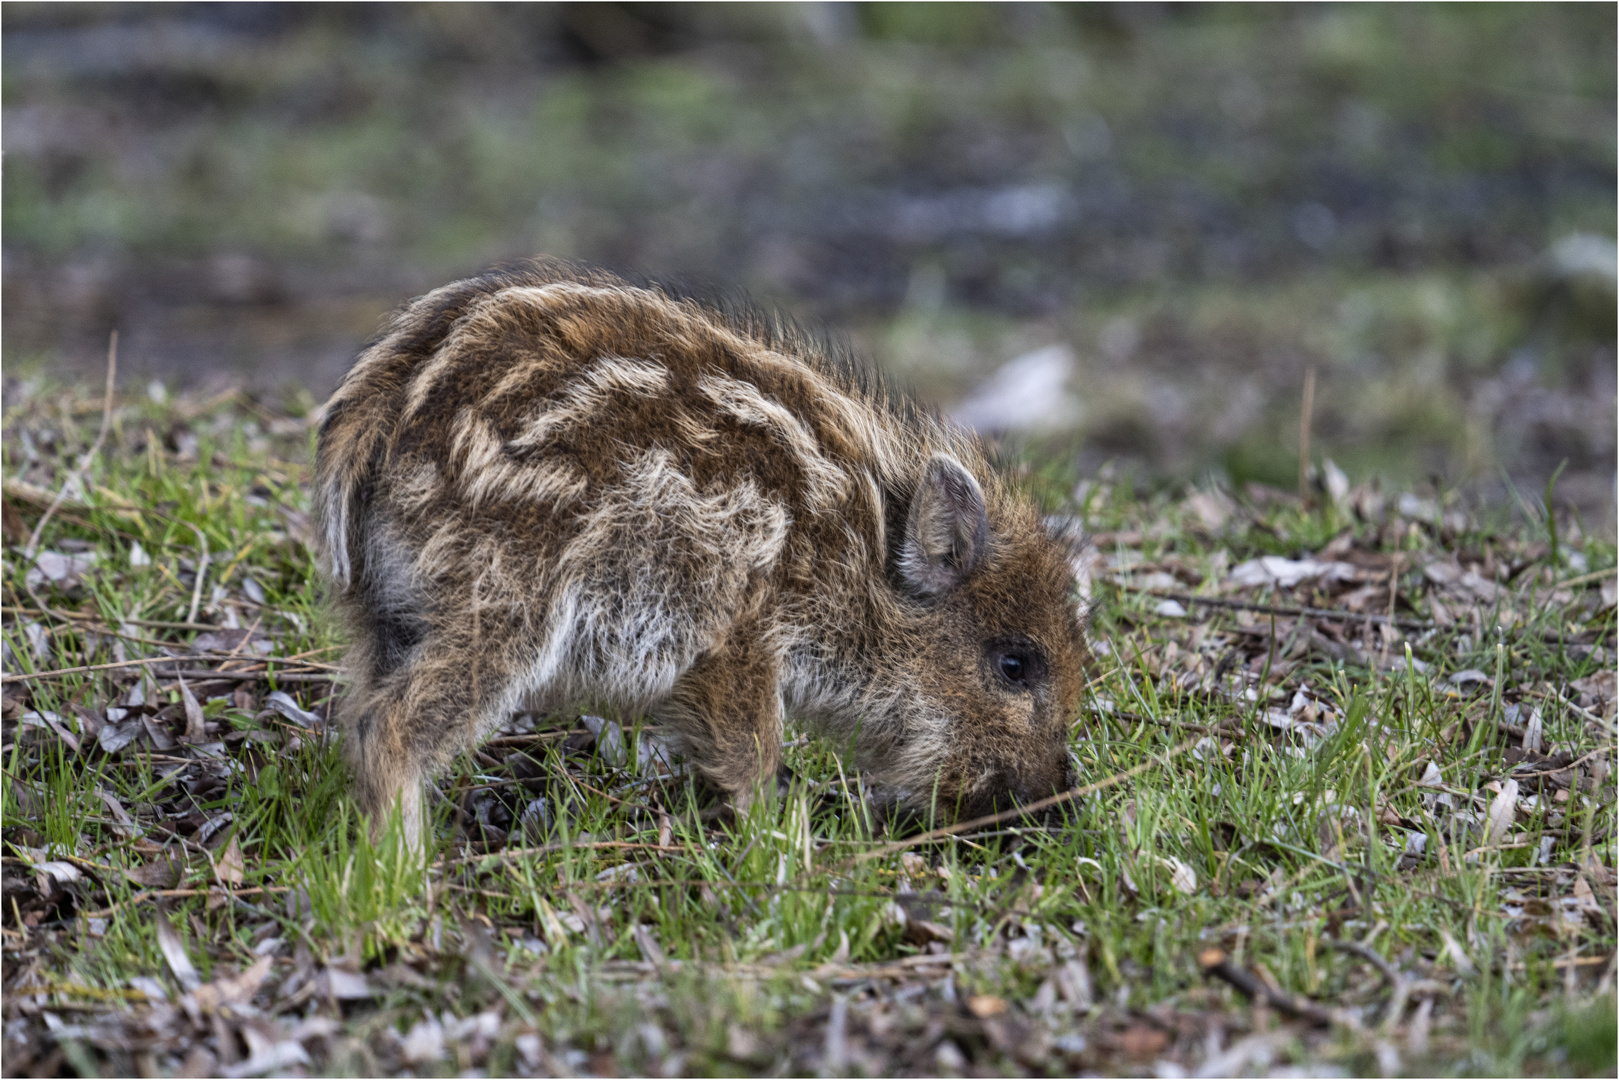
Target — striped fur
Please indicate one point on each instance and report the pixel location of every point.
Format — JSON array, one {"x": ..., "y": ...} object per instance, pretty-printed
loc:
[{"x": 547, "y": 486}]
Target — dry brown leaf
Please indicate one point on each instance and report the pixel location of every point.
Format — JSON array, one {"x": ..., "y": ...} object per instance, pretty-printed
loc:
[
  {"x": 195, "y": 731},
  {"x": 1074, "y": 983},
  {"x": 265, "y": 1059},
  {"x": 922, "y": 931},
  {"x": 985, "y": 1006},
  {"x": 344, "y": 985},
  {"x": 127, "y": 827},
  {"x": 229, "y": 869},
  {"x": 174, "y": 951},
  {"x": 1597, "y": 692},
  {"x": 1142, "y": 1042},
  {"x": 1458, "y": 958},
  {"x": 1213, "y": 509},
  {"x": 556, "y": 930},
  {"x": 61, "y": 730},
  {"x": 114, "y": 736},
  {"x": 741, "y": 1044},
  {"x": 651, "y": 951},
  {"x": 1601, "y": 874},
  {"x": 200, "y": 1061},
  {"x": 1181, "y": 876},
  {"x": 161, "y": 873},
  {"x": 1503, "y": 808},
  {"x": 233, "y": 989},
  {"x": 399, "y": 974},
  {"x": 1532, "y": 731},
  {"x": 1585, "y": 899},
  {"x": 161, "y": 740},
  {"x": 424, "y": 1042}
]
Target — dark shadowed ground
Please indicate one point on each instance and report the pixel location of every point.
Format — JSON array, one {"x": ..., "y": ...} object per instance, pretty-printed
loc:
[{"x": 1194, "y": 204}]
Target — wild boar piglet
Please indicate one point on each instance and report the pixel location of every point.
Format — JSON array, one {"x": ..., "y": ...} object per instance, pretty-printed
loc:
[{"x": 548, "y": 487}]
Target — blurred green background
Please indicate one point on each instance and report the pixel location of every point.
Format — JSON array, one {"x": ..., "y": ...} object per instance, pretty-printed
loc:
[{"x": 1194, "y": 203}]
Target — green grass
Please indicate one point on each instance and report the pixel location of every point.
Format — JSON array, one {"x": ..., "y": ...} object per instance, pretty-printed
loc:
[{"x": 621, "y": 929}]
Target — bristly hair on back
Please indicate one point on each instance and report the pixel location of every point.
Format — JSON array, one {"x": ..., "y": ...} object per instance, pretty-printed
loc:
[{"x": 828, "y": 351}]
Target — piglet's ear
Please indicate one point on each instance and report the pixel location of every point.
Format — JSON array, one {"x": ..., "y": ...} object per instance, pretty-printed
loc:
[{"x": 946, "y": 532}]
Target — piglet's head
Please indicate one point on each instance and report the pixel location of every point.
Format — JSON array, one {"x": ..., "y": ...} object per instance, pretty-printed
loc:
[{"x": 992, "y": 651}]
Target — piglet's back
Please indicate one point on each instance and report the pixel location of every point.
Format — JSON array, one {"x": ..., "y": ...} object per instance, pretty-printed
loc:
[{"x": 529, "y": 389}]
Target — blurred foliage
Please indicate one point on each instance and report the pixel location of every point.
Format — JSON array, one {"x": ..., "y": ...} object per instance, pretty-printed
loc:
[{"x": 1202, "y": 200}]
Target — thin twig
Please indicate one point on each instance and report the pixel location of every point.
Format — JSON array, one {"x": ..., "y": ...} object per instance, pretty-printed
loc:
[
  {"x": 617, "y": 799},
  {"x": 1585, "y": 579},
  {"x": 216, "y": 675},
  {"x": 82, "y": 616},
  {"x": 531, "y": 737},
  {"x": 34, "y": 495},
  {"x": 1023, "y": 811},
  {"x": 1580, "y": 709},
  {"x": 549, "y": 849},
  {"x": 1176, "y": 724},
  {"x": 101, "y": 626},
  {"x": 1366, "y": 953},
  {"x": 202, "y": 572},
  {"x": 95, "y": 993},
  {"x": 1281, "y": 609},
  {"x": 904, "y": 968},
  {"x": 28, "y": 676},
  {"x": 164, "y": 894},
  {"x": 84, "y": 461},
  {"x": 1215, "y": 963},
  {"x": 202, "y": 673},
  {"x": 767, "y": 886},
  {"x": 1562, "y": 961}
]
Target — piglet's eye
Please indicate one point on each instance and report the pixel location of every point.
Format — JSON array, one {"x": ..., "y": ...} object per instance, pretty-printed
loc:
[{"x": 1019, "y": 666}]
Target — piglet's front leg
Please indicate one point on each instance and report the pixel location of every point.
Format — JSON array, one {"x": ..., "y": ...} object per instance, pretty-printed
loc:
[{"x": 726, "y": 709}]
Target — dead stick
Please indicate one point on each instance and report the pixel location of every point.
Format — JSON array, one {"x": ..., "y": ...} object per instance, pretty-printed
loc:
[
  {"x": 1214, "y": 963},
  {"x": 164, "y": 894},
  {"x": 83, "y": 616},
  {"x": 549, "y": 849},
  {"x": 202, "y": 673},
  {"x": 100, "y": 626},
  {"x": 1280, "y": 609},
  {"x": 1023, "y": 811},
  {"x": 1183, "y": 725},
  {"x": 766, "y": 886},
  {"x": 1398, "y": 983},
  {"x": 1586, "y": 579},
  {"x": 202, "y": 572},
  {"x": 205, "y": 674},
  {"x": 1366, "y": 953},
  {"x": 28, "y": 676}
]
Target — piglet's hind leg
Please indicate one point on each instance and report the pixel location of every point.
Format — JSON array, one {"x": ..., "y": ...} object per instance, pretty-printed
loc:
[{"x": 417, "y": 721}]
